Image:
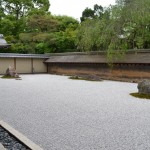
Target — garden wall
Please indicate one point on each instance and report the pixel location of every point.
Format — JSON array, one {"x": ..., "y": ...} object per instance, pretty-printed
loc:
[{"x": 134, "y": 65}]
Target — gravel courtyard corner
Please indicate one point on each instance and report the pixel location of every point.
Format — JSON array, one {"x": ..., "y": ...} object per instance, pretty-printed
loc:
[{"x": 58, "y": 113}]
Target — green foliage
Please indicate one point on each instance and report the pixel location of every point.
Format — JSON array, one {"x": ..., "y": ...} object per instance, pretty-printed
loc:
[
  {"x": 89, "y": 13},
  {"x": 31, "y": 28},
  {"x": 18, "y": 48},
  {"x": 119, "y": 27},
  {"x": 20, "y": 8},
  {"x": 63, "y": 41},
  {"x": 41, "y": 23},
  {"x": 7, "y": 26},
  {"x": 5, "y": 50},
  {"x": 95, "y": 34},
  {"x": 66, "y": 22}
]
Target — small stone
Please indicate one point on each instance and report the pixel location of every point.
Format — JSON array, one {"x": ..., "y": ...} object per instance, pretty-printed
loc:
[{"x": 16, "y": 75}]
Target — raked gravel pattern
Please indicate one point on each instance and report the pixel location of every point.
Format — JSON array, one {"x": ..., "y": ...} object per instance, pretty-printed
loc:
[{"x": 58, "y": 113}]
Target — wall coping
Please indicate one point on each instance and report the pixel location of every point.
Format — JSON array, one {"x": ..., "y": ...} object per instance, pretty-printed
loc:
[
  {"x": 132, "y": 56},
  {"x": 97, "y": 52},
  {"x": 16, "y": 55}
]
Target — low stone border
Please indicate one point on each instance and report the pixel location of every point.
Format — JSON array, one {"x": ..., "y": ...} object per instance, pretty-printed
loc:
[{"x": 17, "y": 136}]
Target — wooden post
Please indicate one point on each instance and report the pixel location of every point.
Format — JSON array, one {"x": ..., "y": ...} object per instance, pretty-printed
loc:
[
  {"x": 15, "y": 63},
  {"x": 32, "y": 69},
  {"x": 47, "y": 68}
]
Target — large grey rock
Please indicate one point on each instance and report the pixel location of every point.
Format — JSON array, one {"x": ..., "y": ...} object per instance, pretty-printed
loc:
[
  {"x": 11, "y": 72},
  {"x": 144, "y": 87}
]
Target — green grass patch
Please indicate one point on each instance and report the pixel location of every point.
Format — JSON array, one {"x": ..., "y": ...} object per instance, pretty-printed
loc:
[{"x": 138, "y": 95}]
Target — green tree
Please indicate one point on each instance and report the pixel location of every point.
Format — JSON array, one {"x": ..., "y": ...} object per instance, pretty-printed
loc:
[
  {"x": 95, "y": 34},
  {"x": 66, "y": 22},
  {"x": 89, "y": 13},
  {"x": 64, "y": 41},
  {"x": 42, "y": 23},
  {"x": 121, "y": 27},
  {"x": 134, "y": 23},
  {"x": 14, "y": 18},
  {"x": 15, "y": 12},
  {"x": 20, "y": 8}
]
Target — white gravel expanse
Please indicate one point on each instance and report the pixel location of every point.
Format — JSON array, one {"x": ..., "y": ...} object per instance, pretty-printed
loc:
[{"x": 58, "y": 113}]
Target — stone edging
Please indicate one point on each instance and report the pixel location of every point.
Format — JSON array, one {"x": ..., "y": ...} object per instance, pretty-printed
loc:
[{"x": 20, "y": 136}]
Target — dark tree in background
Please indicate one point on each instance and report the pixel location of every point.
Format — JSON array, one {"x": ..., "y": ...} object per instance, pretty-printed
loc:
[{"x": 89, "y": 13}]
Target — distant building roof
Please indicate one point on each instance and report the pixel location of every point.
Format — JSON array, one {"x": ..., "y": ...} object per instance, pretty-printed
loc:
[
  {"x": 15, "y": 55},
  {"x": 3, "y": 42}
]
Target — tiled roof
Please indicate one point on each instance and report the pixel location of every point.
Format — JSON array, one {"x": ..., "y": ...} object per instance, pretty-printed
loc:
[
  {"x": 141, "y": 56},
  {"x": 15, "y": 55},
  {"x": 76, "y": 59}
]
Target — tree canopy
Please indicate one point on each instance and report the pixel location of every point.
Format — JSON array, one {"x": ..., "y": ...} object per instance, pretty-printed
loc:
[
  {"x": 89, "y": 13},
  {"x": 122, "y": 26},
  {"x": 31, "y": 28}
]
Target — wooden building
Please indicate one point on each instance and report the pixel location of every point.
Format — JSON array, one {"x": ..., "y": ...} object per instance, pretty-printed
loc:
[{"x": 23, "y": 63}]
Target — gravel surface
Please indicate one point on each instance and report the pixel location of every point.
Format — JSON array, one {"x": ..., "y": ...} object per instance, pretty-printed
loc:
[{"x": 58, "y": 113}]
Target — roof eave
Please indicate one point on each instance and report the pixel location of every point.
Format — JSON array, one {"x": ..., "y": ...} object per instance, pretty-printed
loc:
[{"x": 5, "y": 46}]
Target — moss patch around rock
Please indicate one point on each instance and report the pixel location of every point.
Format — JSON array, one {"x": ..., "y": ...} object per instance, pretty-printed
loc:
[
  {"x": 143, "y": 96},
  {"x": 9, "y": 77}
]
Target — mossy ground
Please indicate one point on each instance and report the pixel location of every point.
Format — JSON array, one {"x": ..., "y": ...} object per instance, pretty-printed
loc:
[
  {"x": 9, "y": 77},
  {"x": 138, "y": 95}
]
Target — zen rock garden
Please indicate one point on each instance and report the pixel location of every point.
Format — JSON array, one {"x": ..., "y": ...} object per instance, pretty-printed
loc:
[{"x": 58, "y": 113}]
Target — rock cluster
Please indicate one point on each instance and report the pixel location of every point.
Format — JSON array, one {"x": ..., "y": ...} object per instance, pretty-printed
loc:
[
  {"x": 10, "y": 142},
  {"x": 87, "y": 77},
  {"x": 11, "y": 72},
  {"x": 144, "y": 87}
]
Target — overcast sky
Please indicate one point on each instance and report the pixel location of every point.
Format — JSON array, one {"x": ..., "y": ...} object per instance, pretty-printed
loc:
[{"x": 74, "y": 8}]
